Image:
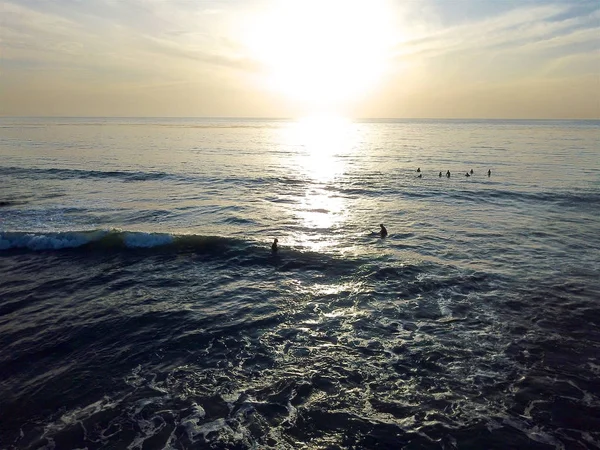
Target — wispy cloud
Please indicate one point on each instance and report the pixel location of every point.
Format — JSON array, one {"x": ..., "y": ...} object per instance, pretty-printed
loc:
[
  {"x": 528, "y": 43},
  {"x": 44, "y": 39},
  {"x": 527, "y": 28}
]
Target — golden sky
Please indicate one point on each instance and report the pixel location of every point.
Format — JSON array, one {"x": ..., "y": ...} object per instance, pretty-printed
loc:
[{"x": 289, "y": 58}]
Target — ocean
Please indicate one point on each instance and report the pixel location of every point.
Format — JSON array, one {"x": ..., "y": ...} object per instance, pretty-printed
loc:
[{"x": 141, "y": 306}]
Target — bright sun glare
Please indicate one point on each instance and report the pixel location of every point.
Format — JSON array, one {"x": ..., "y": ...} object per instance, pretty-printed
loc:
[
  {"x": 323, "y": 145},
  {"x": 321, "y": 141},
  {"x": 323, "y": 53}
]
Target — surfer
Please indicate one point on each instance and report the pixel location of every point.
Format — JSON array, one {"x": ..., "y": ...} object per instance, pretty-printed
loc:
[
  {"x": 419, "y": 169},
  {"x": 440, "y": 175},
  {"x": 274, "y": 246},
  {"x": 383, "y": 231},
  {"x": 448, "y": 174},
  {"x": 489, "y": 172},
  {"x": 467, "y": 174},
  {"x": 420, "y": 175},
  {"x": 471, "y": 171}
]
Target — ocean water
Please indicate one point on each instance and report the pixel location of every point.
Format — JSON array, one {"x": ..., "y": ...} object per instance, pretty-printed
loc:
[{"x": 141, "y": 306}]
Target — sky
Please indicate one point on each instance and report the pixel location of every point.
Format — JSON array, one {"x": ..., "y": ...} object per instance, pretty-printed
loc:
[{"x": 292, "y": 58}]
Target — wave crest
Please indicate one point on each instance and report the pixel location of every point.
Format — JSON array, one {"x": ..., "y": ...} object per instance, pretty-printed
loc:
[{"x": 96, "y": 238}]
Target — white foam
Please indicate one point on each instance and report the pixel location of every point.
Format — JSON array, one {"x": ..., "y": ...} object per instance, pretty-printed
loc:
[
  {"x": 535, "y": 433},
  {"x": 73, "y": 239},
  {"x": 194, "y": 430},
  {"x": 34, "y": 241}
]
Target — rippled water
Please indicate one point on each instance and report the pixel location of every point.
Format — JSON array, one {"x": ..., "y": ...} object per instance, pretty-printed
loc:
[{"x": 141, "y": 306}]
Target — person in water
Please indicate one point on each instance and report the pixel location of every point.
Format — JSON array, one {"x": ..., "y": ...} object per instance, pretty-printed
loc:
[
  {"x": 440, "y": 175},
  {"x": 467, "y": 174},
  {"x": 419, "y": 169},
  {"x": 420, "y": 175},
  {"x": 471, "y": 171},
  {"x": 489, "y": 172},
  {"x": 274, "y": 246},
  {"x": 383, "y": 231},
  {"x": 448, "y": 174}
]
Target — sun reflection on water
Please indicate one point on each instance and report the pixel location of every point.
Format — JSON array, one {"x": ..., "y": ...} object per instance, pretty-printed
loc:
[
  {"x": 321, "y": 210},
  {"x": 323, "y": 144}
]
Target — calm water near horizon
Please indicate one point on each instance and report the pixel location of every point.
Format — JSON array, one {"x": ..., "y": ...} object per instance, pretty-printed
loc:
[{"x": 141, "y": 306}]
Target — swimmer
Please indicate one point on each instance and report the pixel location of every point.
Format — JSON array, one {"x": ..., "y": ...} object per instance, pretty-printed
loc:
[
  {"x": 383, "y": 231},
  {"x": 471, "y": 171},
  {"x": 274, "y": 246},
  {"x": 420, "y": 175},
  {"x": 448, "y": 174},
  {"x": 440, "y": 175},
  {"x": 467, "y": 174},
  {"x": 489, "y": 172},
  {"x": 419, "y": 169}
]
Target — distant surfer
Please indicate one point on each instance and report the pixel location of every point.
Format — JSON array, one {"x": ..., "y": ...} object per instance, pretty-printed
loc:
[
  {"x": 471, "y": 171},
  {"x": 448, "y": 174},
  {"x": 467, "y": 174},
  {"x": 489, "y": 172},
  {"x": 419, "y": 169},
  {"x": 383, "y": 231},
  {"x": 440, "y": 175},
  {"x": 420, "y": 175},
  {"x": 274, "y": 246}
]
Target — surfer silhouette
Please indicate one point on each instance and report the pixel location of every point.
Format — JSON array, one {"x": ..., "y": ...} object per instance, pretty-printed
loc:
[
  {"x": 383, "y": 231},
  {"x": 440, "y": 175},
  {"x": 448, "y": 174},
  {"x": 471, "y": 171},
  {"x": 274, "y": 247},
  {"x": 419, "y": 169},
  {"x": 489, "y": 172}
]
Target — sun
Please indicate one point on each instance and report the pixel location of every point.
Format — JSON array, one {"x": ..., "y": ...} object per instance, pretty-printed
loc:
[{"x": 322, "y": 54}]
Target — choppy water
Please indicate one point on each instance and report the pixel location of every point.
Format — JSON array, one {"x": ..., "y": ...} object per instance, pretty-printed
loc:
[{"x": 141, "y": 306}]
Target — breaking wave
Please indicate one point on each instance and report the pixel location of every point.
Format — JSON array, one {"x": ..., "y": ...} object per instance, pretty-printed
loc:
[{"x": 108, "y": 239}]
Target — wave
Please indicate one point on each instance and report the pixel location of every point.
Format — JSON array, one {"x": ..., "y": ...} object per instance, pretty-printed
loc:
[
  {"x": 82, "y": 174},
  {"x": 574, "y": 198},
  {"x": 235, "y": 251},
  {"x": 132, "y": 176},
  {"x": 4, "y": 203},
  {"x": 102, "y": 239}
]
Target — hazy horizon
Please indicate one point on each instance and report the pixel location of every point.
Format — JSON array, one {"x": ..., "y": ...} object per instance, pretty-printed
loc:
[
  {"x": 383, "y": 59},
  {"x": 325, "y": 118}
]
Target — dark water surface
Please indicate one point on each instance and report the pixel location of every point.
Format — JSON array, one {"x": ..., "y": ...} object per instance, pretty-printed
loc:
[{"x": 141, "y": 306}]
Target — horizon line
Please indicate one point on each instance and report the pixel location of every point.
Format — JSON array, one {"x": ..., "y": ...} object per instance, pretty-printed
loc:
[{"x": 298, "y": 118}]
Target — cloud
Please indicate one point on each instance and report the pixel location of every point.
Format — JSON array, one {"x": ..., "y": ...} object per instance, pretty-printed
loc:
[
  {"x": 528, "y": 26},
  {"x": 159, "y": 55},
  {"x": 42, "y": 39},
  {"x": 522, "y": 43}
]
